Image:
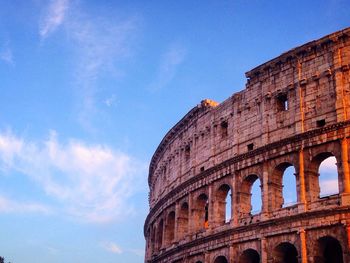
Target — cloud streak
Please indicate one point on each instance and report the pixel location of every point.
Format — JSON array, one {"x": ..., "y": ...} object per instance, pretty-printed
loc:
[
  {"x": 6, "y": 54},
  {"x": 11, "y": 206},
  {"x": 100, "y": 45},
  {"x": 112, "y": 247},
  {"x": 92, "y": 183},
  {"x": 171, "y": 59},
  {"x": 53, "y": 17}
]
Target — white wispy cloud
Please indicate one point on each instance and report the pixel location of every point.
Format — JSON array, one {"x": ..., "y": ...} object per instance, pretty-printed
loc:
[
  {"x": 100, "y": 45},
  {"x": 110, "y": 101},
  {"x": 92, "y": 183},
  {"x": 112, "y": 247},
  {"x": 6, "y": 54},
  {"x": 171, "y": 59},
  {"x": 12, "y": 206},
  {"x": 53, "y": 17}
]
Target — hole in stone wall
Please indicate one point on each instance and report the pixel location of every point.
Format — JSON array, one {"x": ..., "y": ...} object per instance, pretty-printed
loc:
[
  {"x": 224, "y": 126},
  {"x": 250, "y": 146},
  {"x": 187, "y": 152},
  {"x": 282, "y": 102},
  {"x": 321, "y": 123},
  {"x": 202, "y": 169}
]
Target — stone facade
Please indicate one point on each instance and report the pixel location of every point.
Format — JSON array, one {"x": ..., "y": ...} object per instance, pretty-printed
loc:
[{"x": 294, "y": 111}]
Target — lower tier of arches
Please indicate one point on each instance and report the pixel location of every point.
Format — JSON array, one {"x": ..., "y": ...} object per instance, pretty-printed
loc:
[{"x": 313, "y": 238}]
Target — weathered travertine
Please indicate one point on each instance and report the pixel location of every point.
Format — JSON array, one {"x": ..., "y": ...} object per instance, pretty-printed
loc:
[{"x": 295, "y": 111}]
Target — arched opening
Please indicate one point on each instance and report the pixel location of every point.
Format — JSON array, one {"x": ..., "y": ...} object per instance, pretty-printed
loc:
[
  {"x": 170, "y": 228},
  {"x": 223, "y": 202},
  {"x": 159, "y": 240},
  {"x": 289, "y": 185},
  {"x": 285, "y": 253},
  {"x": 221, "y": 259},
  {"x": 329, "y": 251},
  {"x": 250, "y": 195},
  {"x": 322, "y": 176},
  {"x": 228, "y": 208},
  {"x": 256, "y": 202},
  {"x": 328, "y": 177},
  {"x": 183, "y": 221},
  {"x": 282, "y": 187},
  {"x": 200, "y": 213},
  {"x": 249, "y": 256}
]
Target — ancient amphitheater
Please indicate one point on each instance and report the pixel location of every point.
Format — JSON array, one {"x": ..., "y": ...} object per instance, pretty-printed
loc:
[{"x": 294, "y": 112}]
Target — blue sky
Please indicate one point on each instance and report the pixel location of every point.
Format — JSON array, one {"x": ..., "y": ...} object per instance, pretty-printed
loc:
[{"x": 89, "y": 88}]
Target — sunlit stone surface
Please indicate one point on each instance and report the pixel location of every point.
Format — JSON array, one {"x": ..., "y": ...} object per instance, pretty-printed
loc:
[{"x": 293, "y": 116}]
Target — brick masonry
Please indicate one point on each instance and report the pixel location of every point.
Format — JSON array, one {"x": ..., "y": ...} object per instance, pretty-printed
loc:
[{"x": 294, "y": 111}]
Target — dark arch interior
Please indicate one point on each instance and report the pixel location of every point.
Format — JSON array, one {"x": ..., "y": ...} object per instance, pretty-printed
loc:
[
  {"x": 249, "y": 256},
  {"x": 331, "y": 251},
  {"x": 286, "y": 253},
  {"x": 221, "y": 259}
]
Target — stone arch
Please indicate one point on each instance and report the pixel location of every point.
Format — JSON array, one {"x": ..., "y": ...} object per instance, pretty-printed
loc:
[
  {"x": 182, "y": 220},
  {"x": 170, "y": 228},
  {"x": 223, "y": 204},
  {"x": 313, "y": 182},
  {"x": 200, "y": 212},
  {"x": 245, "y": 194},
  {"x": 285, "y": 252},
  {"x": 277, "y": 196},
  {"x": 328, "y": 177},
  {"x": 159, "y": 235},
  {"x": 328, "y": 250},
  {"x": 221, "y": 259},
  {"x": 249, "y": 256}
]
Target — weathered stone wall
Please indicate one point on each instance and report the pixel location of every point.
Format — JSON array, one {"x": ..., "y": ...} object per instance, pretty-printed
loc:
[{"x": 294, "y": 112}]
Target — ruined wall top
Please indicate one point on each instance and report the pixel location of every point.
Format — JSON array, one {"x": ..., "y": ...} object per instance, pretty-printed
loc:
[
  {"x": 194, "y": 113},
  {"x": 297, "y": 53},
  {"x": 255, "y": 116}
]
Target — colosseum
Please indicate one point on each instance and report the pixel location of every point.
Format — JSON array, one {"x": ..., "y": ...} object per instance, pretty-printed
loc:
[{"x": 294, "y": 113}]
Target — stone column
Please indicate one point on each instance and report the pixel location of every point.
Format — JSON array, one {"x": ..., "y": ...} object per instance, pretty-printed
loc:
[
  {"x": 235, "y": 203},
  {"x": 190, "y": 214},
  {"x": 206, "y": 257},
  {"x": 348, "y": 235},
  {"x": 263, "y": 253},
  {"x": 302, "y": 190},
  {"x": 211, "y": 210},
  {"x": 345, "y": 165},
  {"x": 303, "y": 246},
  {"x": 265, "y": 191},
  {"x": 177, "y": 215},
  {"x": 345, "y": 195}
]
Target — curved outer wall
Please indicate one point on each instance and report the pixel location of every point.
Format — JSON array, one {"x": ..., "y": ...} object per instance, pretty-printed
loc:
[{"x": 294, "y": 111}]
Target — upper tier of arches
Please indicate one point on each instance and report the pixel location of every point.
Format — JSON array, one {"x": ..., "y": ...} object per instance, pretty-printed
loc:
[{"x": 285, "y": 97}]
